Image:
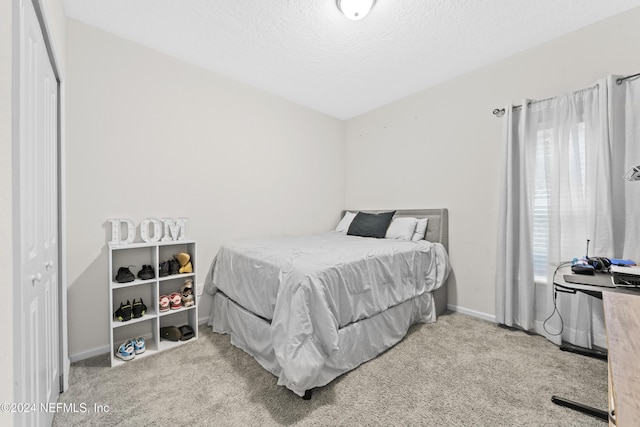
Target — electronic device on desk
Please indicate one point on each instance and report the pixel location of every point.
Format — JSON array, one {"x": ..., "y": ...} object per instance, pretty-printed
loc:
[
  {"x": 592, "y": 271},
  {"x": 581, "y": 266},
  {"x": 597, "y": 279},
  {"x": 589, "y": 265},
  {"x": 601, "y": 271},
  {"x": 625, "y": 276}
]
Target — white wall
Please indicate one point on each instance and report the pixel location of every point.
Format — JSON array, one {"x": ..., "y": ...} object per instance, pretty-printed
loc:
[
  {"x": 440, "y": 147},
  {"x": 152, "y": 136}
]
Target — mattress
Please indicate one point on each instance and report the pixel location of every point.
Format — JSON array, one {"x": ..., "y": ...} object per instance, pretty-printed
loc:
[{"x": 308, "y": 292}]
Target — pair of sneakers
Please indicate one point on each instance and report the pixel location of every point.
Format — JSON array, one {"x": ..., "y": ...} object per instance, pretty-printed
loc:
[
  {"x": 130, "y": 311},
  {"x": 170, "y": 302},
  {"x": 128, "y": 349},
  {"x": 169, "y": 267},
  {"x": 125, "y": 275}
]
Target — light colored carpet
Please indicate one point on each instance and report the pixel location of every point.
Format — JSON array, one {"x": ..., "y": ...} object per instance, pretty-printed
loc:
[{"x": 459, "y": 371}]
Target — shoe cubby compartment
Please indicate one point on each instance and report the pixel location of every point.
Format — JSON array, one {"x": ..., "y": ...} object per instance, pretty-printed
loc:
[
  {"x": 171, "y": 285},
  {"x": 168, "y": 252},
  {"x": 145, "y": 330},
  {"x": 178, "y": 318},
  {"x": 135, "y": 256},
  {"x": 145, "y": 292}
]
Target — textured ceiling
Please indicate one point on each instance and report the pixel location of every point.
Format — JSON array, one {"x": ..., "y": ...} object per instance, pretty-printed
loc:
[{"x": 306, "y": 51}]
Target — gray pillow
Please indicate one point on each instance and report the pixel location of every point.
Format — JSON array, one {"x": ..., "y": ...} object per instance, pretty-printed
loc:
[{"x": 370, "y": 225}]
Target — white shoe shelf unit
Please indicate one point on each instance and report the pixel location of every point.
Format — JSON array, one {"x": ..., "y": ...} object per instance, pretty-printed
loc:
[{"x": 134, "y": 256}]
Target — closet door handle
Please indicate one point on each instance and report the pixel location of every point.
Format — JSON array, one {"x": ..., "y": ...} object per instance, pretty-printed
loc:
[
  {"x": 35, "y": 278},
  {"x": 48, "y": 265}
]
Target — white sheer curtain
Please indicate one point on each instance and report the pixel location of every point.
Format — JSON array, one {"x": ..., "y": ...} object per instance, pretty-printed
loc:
[
  {"x": 515, "y": 286},
  {"x": 560, "y": 168},
  {"x": 628, "y": 202}
]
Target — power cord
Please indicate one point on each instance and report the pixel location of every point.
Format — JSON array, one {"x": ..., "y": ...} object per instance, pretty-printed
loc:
[{"x": 555, "y": 304}]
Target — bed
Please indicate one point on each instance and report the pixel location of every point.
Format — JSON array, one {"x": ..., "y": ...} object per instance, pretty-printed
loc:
[{"x": 310, "y": 308}]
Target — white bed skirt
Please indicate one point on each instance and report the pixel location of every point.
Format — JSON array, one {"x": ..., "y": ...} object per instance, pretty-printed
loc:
[{"x": 358, "y": 342}]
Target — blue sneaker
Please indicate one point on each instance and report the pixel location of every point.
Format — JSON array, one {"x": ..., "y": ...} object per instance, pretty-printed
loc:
[
  {"x": 138, "y": 345},
  {"x": 126, "y": 351}
]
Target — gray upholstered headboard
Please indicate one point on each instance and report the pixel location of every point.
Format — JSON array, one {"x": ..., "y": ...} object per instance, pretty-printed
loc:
[{"x": 437, "y": 226}]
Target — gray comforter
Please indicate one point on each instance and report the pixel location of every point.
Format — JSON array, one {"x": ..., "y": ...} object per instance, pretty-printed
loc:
[{"x": 309, "y": 287}]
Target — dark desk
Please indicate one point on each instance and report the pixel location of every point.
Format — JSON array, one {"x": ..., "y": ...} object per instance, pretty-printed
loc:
[
  {"x": 592, "y": 285},
  {"x": 595, "y": 286}
]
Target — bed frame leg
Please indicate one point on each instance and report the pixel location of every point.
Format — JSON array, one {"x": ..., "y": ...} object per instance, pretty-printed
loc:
[{"x": 307, "y": 395}]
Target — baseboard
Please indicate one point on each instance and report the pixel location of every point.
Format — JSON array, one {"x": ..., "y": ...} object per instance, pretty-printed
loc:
[
  {"x": 89, "y": 353},
  {"x": 66, "y": 370},
  {"x": 203, "y": 320},
  {"x": 472, "y": 313}
]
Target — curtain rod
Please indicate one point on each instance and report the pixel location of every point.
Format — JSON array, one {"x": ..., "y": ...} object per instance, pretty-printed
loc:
[
  {"x": 621, "y": 79},
  {"x": 499, "y": 112}
]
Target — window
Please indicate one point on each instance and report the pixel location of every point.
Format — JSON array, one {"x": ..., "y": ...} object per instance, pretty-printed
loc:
[{"x": 569, "y": 159}]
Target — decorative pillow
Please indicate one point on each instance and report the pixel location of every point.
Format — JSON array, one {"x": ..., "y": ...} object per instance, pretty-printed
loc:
[
  {"x": 421, "y": 229},
  {"x": 401, "y": 228},
  {"x": 370, "y": 225},
  {"x": 345, "y": 222}
]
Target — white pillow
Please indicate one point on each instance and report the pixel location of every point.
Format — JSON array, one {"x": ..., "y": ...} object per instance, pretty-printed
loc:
[
  {"x": 345, "y": 222},
  {"x": 401, "y": 228},
  {"x": 421, "y": 229}
]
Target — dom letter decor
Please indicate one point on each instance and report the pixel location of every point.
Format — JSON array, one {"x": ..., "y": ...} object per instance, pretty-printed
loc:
[
  {"x": 115, "y": 231},
  {"x": 150, "y": 230},
  {"x": 174, "y": 231}
]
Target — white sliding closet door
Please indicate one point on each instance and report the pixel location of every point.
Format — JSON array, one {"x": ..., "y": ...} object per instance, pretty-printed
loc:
[{"x": 39, "y": 325}]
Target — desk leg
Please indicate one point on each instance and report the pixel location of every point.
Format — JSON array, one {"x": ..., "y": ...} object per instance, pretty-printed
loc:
[
  {"x": 598, "y": 354},
  {"x": 594, "y": 412}
]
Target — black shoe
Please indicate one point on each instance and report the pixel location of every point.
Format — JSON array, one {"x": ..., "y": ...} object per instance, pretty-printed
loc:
[
  {"x": 170, "y": 333},
  {"x": 174, "y": 266},
  {"x": 164, "y": 268},
  {"x": 124, "y": 275},
  {"x": 138, "y": 308},
  {"x": 146, "y": 273},
  {"x": 124, "y": 312},
  {"x": 187, "y": 332}
]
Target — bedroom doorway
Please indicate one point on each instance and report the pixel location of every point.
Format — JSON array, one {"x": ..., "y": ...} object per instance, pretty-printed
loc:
[{"x": 37, "y": 328}]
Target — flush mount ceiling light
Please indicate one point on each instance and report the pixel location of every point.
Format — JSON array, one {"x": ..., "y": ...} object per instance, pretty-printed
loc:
[{"x": 355, "y": 9}]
